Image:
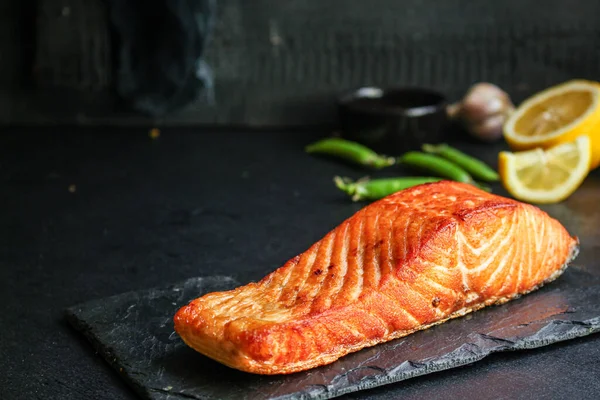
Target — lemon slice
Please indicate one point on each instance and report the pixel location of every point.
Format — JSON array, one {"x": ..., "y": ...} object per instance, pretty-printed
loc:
[
  {"x": 557, "y": 115},
  {"x": 546, "y": 176}
]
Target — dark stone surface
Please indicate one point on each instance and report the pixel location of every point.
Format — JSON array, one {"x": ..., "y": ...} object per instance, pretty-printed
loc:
[
  {"x": 197, "y": 203},
  {"x": 134, "y": 333}
]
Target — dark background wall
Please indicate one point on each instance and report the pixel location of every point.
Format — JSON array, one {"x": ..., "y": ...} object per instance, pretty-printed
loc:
[
  {"x": 8, "y": 57},
  {"x": 283, "y": 62}
]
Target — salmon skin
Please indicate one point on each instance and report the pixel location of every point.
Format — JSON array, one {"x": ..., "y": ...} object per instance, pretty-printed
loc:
[{"x": 409, "y": 261}]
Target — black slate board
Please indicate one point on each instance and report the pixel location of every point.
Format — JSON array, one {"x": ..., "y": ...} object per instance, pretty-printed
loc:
[{"x": 134, "y": 333}]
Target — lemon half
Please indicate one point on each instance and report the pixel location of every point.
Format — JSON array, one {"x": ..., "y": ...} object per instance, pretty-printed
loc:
[
  {"x": 557, "y": 115},
  {"x": 546, "y": 176}
]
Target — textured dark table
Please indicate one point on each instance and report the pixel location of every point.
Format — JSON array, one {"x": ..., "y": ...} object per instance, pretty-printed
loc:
[{"x": 145, "y": 213}]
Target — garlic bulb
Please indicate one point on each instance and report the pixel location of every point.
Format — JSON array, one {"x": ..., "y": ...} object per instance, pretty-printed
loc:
[{"x": 483, "y": 111}]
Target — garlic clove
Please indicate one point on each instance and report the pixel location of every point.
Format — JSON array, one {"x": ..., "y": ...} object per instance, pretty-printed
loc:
[
  {"x": 489, "y": 129},
  {"x": 483, "y": 111},
  {"x": 480, "y": 106}
]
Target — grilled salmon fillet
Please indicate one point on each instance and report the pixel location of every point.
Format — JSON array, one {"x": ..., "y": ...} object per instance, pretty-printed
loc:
[{"x": 411, "y": 260}]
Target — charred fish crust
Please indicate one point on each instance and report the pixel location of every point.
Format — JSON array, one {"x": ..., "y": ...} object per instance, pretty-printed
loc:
[
  {"x": 378, "y": 244},
  {"x": 446, "y": 223},
  {"x": 410, "y": 261},
  {"x": 488, "y": 207},
  {"x": 294, "y": 260}
]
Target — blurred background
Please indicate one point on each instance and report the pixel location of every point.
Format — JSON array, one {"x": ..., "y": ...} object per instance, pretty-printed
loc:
[{"x": 264, "y": 63}]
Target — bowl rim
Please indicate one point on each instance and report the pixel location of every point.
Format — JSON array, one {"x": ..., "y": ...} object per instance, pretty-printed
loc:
[{"x": 346, "y": 103}]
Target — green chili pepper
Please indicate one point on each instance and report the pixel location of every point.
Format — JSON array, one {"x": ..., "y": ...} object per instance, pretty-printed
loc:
[
  {"x": 365, "y": 189},
  {"x": 350, "y": 151},
  {"x": 436, "y": 165},
  {"x": 475, "y": 167}
]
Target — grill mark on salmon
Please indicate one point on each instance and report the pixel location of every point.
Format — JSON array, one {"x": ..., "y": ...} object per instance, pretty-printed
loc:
[
  {"x": 543, "y": 249},
  {"x": 372, "y": 253},
  {"x": 499, "y": 248},
  {"x": 279, "y": 281},
  {"x": 527, "y": 242},
  {"x": 404, "y": 263},
  {"x": 387, "y": 248},
  {"x": 321, "y": 254},
  {"x": 349, "y": 275},
  {"x": 335, "y": 265},
  {"x": 520, "y": 271},
  {"x": 326, "y": 263}
]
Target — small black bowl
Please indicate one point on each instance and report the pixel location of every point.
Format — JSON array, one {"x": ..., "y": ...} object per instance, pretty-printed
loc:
[{"x": 393, "y": 120}]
